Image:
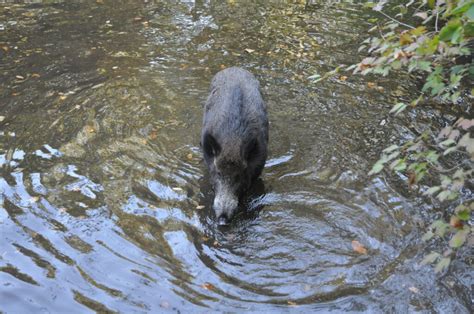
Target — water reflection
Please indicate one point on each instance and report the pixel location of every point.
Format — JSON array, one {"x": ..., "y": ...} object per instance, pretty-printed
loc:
[{"x": 106, "y": 205}]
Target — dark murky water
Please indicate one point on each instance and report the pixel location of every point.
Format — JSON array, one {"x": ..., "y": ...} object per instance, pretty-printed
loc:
[{"x": 102, "y": 181}]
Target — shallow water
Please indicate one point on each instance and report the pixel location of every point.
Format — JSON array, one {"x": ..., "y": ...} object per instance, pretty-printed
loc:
[{"x": 102, "y": 180}]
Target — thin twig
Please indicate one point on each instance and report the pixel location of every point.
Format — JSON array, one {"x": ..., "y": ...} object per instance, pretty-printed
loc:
[
  {"x": 437, "y": 15},
  {"x": 395, "y": 20},
  {"x": 380, "y": 31}
]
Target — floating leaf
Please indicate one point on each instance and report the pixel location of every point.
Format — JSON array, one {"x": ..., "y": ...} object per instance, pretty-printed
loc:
[
  {"x": 427, "y": 236},
  {"x": 359, "y": 248},
  {"x": 430, "y": 258},
  {"x": 390, "y": 149},
  {"x": 439, "y": 227},
  {"x": 377, "y": 167},
  {"x": 422, "y": 15},
  {"x": 208, "y": 286},
  {"x": 399, "y": 107},
  {"x": 459, "y": 238},
  {"x": 433, "y": 190},
  {"x": 442, "y": 264}
]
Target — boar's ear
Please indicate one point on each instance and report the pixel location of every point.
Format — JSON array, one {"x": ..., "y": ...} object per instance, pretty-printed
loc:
[
  {"x": 251, "y": 150},
  {"x": 210, "y": 146}
]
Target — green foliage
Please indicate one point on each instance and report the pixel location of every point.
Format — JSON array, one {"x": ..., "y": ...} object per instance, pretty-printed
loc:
[{"x": 433, "y": 49}]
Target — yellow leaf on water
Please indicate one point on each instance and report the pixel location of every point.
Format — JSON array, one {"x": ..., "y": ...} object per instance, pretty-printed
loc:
[
  {"x": 208, "y": 286},
  {"x": 89, "y": 129},
  {"x": 359, "y": 248},
  {"x": 371, "y": 84}
]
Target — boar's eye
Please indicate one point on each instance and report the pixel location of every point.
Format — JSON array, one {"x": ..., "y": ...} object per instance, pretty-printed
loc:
[
  {"x": 210, "y": 146},
  {"x": 252, "y": 150}
]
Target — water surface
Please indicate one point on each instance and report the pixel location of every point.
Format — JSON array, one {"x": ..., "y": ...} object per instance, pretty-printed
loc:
[{"x": 105, "y": 201}]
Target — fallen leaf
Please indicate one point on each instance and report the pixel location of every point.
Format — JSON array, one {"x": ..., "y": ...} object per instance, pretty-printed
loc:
[
  {"x": 34, "y": 199},
  {"x": 359, "y": 248},
  {"x": 200, "y": 207},
  {"x": 5, "y": 48},
  {"x": 422, "y": 15},
  {"x": 189, "y": 156},
  {"x": 144, "y": 141},
  {"x": 411, "y": 179},
  {"x": 371, "y": 84},
  {"x": 248, "y": 50},
  {"x": 62, "y": 97},
  {"x": 35, "y": 75},
  {"x": 343, "y": 78},
  {"x": 89, "y": 129},
  {"x": 153, "y": 134},
  {"x": 222, "y": 66},
  {"x": 208, "y": 286},
  {"x": 20, "y": 77},
  {"x": 455, "y": 222}
]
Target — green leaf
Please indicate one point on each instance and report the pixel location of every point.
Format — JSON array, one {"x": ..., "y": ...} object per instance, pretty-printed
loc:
[
  {"x": 455, "y": 38},
  {"x": 469, "y": 30},
  {"x": 447, "y": 142},
  {"x": 399, "y": 107},
  {"x": 424, "y": 66},
  {"x": 464, "y": 215},
  {"x": 376, "y": 168},
  {"x": 444, "y": 195},
  {"x": 439, "y": 227},
  {"x": 459, "y": 238},
  {"x": 430, "y": 258},
  {"x": 470, "y": 13},
  {"x": 433, "y": 190},
  {"x": 442, "y": 264},
  {"x": 398, "y": 165},
  {"x": 427, "y": 236},
  {"x": 463, "y": 212},
  {"x": 448, "y": 31},
  {"x": 390, "y": 149},
  {"x": 461, "y": 9}
]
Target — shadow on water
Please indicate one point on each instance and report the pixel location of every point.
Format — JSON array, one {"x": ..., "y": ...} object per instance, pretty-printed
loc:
[{"x": 102, "y": 182}]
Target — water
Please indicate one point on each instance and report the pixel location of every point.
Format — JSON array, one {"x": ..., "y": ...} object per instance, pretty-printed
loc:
[{"x": 103, "y": 185}]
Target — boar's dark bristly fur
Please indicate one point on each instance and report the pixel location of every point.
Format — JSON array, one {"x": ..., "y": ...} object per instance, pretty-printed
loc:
[{"x": 234, "y": 137}]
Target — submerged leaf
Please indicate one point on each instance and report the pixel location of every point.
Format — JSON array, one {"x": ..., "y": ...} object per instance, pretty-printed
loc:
[
  {"x": 442, "y": 264},
  {"x": 430, "y": 258}
]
